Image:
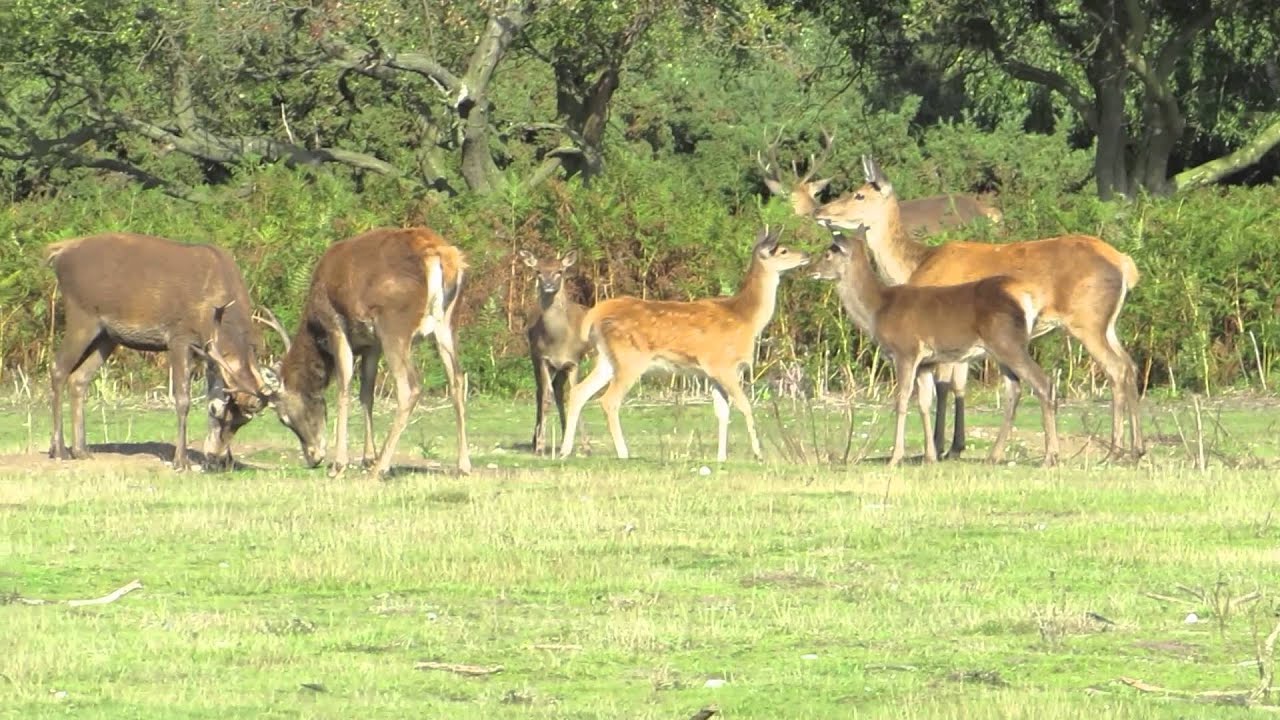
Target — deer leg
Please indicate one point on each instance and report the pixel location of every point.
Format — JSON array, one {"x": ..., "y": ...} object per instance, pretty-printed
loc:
[
  {"x": 78, "y": 343},
  {"x": 457, "y": 388},
  {"x": 78, "y": 386},
  {"x": 925, "y": 383},
  {"x": 906, "y": 373},
  {"x": 959, "y": 381},
  {"x": 180, "y": 377},
  {"x": 720, "y": 403},
  {"x": 623, "y": 378},
  {"x": 541, "y": 402},
  {"x": 942, "y": 387},
  {"x": 344, "y": 362},
  {"x": 1012, "y": 394},
  {"x": 1021, "y": 365},
  {"x": 565, "y": 376},
  {"x": 579, "y": 394},
  {"x": 732, "y": 387},
  {"x": 407, "y": 392},
  {"x": 368, "y": 379}
]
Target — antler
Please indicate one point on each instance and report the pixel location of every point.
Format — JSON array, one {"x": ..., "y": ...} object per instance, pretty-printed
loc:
[
  {"x": 268, "y": 318},
  {"x": 815, "y": 162},
  {"x": 768, "y": 160}
]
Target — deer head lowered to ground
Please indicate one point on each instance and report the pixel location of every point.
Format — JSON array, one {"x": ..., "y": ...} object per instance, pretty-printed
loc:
[
  {"x": 556, "y": 345},
  {"x": 371, "y": 296},
  {"x": 712, "y": 336},
  {"x": 1077, "y": 282},
  {"x": 155, "y": 295},
  {"x": 922, "y": 326}
]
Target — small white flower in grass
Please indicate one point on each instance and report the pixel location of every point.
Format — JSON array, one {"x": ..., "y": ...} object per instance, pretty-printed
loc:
[
  {"x": 432, "y": 617},
  {"x": 224, "y": 565},
  {"x": 714, "y": 683},
  {"x": 1192, "y": 618},
  {"x": 491, "y": 466},
  {"x": 1012, "y": 463},
  {"x": 704, "y": 471},
  {"x": 809, "y": 656},
  {"x": 59, "y": 694}
]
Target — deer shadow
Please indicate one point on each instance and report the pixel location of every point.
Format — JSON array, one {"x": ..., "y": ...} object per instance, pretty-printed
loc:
[{"x": 164, "y": 452}]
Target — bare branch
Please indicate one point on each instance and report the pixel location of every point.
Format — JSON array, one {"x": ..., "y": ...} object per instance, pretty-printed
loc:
[{"x": 1215, "y": 170}]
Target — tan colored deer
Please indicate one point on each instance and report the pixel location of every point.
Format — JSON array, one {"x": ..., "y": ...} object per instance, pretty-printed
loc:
[
  {"x": 713, "y": 336},
  {"x": 156, "y": 295},
  {"x": 556, "y": 342},
  {"x": 372, "y": 295},
  {"x": 919, "y": 217},
  {"x": 922, "y": 326},
  {"x": 1078, "y": 282}
]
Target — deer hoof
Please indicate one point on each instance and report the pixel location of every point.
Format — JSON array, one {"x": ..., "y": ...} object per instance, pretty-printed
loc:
[
  {"x": 336, "y": 469},
  {"x": 1049, "y": 461},
  {"x": 464, "y": 467},
  {"x": 895, "y": 461}
]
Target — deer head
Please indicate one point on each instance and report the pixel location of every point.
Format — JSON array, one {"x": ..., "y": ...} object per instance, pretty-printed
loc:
[
  {"x": 835, "y": 260},
  {"x": 303, "y": 413},
  {"x": 550, "y": 272},
  {"x": 804, "y": 190},
  {"x": 874, "y": 204},
  {"x": 774, "y": 257}
]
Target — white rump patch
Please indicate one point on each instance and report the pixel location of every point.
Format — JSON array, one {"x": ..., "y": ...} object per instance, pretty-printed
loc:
[
  {"x": 1029, "y": 309},
  {"x": 433, "y": 311}
]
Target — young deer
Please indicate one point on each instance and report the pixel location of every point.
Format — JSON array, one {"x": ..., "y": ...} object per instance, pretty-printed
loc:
[
  {"x": 556, "y": 345},
  {"x": 372, "y": 295},
  {"x": 1077, "y": 282},
  {"x": 714, "y": 336},
  {"x": 156, "y": 295},
  {"x": 922, "y": 326}
]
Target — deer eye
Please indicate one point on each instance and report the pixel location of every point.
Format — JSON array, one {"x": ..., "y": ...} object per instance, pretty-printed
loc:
[{"x": 782, "y": 251}]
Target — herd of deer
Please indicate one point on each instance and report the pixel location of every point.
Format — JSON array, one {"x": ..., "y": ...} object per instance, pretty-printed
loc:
[{"x": 375, "y": 294}]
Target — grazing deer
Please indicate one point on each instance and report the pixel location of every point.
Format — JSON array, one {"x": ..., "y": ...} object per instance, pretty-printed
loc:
[
  {"x": 556, "y": 345},
  {"x": 155, "y": 295},
  {"x": 713, "y": 336},
  {"x": 922, "y": 326},
  {"x": 1078, "y": 282},
  {"x": 920, "y": 217},
  {"x": 371, "y": 295}
]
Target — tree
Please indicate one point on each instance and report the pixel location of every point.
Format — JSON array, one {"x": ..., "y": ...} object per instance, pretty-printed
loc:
[{"x": 1131, "y": 70}]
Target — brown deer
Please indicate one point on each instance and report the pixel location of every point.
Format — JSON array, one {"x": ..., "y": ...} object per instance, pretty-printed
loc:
[
  {"x": 556, "y": 345},
  {"x": 1078, "y": 282},
  {"x": 156, "y": 295},
  {"x": 920, "y": 217},
  {"x": 922, "y": 326},
  {"x": 713, "y": 336},
  {"x": 372, "y": 295}
]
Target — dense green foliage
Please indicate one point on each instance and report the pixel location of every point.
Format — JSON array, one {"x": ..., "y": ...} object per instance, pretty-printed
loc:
[{"x": 629, "y": 134}]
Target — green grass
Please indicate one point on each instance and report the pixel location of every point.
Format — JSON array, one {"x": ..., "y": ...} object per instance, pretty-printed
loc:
[{"x": 610, "y": 589}]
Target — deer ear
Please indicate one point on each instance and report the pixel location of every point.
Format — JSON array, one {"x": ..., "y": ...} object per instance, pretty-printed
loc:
[
  {"x": 527, "y": 258},
  {"x": 569, "y": 259},
  {"x": 818, "y": 186}
]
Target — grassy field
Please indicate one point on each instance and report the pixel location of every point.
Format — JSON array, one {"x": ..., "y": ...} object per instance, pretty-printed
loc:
[{"x": 804, "y": 587}]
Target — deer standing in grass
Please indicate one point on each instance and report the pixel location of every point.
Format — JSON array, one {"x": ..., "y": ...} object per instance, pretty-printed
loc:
[
  {"x": 919, "y": 217},
  {"x": 1077, "y": 282},
  {"x": 556, "y": 344},
  {"x": 713, "y": 336},
  {"x": 156, "y": 295},
  {"x": 922, "y": 326},
  {"x": 371, "y": 296}
]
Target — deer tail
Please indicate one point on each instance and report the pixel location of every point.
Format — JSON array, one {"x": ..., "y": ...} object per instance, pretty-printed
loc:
[
  {"x": 1129, "y": 269},
  {"x": 53, "y": 251}
]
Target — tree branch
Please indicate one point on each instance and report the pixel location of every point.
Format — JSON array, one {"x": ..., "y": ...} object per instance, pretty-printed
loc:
[
  {"x": 383, "y": 65},
  {"x": 1215, "y": 170},
  {"x": 1053, "y": 81}
]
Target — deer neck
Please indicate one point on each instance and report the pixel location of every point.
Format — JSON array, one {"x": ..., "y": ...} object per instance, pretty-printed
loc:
[
  {"x": 802, "y": 203},
  {"x": 861, "y": 291},
  {"x": 306, "y": 368},
  {"x": 757, "y": 296},
  {"x": 555, "y": 310},
  {"x": 897, "y": 254}
]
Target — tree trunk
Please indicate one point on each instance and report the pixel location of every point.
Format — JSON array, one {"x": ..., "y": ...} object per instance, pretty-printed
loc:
[
  {"x": 473, "y": 105},
  {"x": 1109, "y": 163}
]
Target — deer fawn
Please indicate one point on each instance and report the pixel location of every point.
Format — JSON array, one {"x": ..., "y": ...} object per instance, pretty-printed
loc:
[
  {"x": 1077, "y": 282},
  {"x": 714, "y": 336},
  {"x": 556, "y": 344},
  {"x": 372, "y": 295},
  {"x": 921, "y": 326},
  {"x": 155, "y": 295}
]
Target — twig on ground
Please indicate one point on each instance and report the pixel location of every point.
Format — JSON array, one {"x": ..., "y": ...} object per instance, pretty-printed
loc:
[
  {"x": 459, "y": 668},
  {"x": 705, "y": 713},
  {"x": 104, "y": 600}
]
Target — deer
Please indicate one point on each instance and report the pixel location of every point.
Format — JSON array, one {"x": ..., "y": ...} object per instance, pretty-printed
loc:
[
  {"x": 919, "y": 217},
  {"x": 371, "y": 296},
  {"x": 1079, "y": 283},
  {"x": 152, "y": 294},
  {"x": 712, "y": 336},
  {"x": 922, "y": 326},
  {"x": 556, "y": 345}
]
